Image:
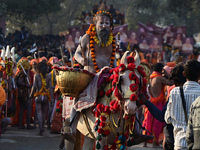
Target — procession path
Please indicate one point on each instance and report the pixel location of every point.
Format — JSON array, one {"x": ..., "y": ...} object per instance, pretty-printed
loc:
[{"x": 24, "y": 139}]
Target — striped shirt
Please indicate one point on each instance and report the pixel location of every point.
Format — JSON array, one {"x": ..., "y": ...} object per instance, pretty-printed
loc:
[{"x": 175, "y": 113}]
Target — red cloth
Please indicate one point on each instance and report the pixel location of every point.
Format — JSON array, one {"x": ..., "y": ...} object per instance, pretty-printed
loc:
[{"x": 151, "y": 123}]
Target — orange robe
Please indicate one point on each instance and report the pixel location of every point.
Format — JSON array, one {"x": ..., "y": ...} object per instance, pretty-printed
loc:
[{"x": 151, "y": 123}]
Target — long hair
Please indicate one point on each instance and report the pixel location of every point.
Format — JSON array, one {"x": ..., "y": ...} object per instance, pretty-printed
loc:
[{"x": 42, "y": 68}]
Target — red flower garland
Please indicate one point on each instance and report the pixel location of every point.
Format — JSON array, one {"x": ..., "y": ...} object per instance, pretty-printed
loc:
[
  {"x": 122, "y": 67},
  {"x": 103, "y": 118},
  {"x": 107, "y": 109},
  {"x": 132, "y": 76},
  {"x": 106, "y": 132},
  {"x": 100, "y": 130},
  {"x": 141, "y": 71},
  {"x": 102, "y": 124},
  {"x": 115, "y": 105},
  {"x": 117, "y": 93},
  {"x": 144, "y": 82},
  {"x": 130, "y": 59},
  {"x": 131, "y": 67},
  {"x": 133, "y": 87},
  {"x": 109, "y": 92},
  {"x": 133, "y": 97}
]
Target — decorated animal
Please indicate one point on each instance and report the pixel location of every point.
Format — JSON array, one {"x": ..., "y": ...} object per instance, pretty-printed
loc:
[{"x": 111, "y": 121}]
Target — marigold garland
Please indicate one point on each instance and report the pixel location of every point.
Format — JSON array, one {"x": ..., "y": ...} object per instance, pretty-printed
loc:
[
  {"x": 43, "y": 91},
  {"x": 3, "y": 84},
  {"x": 93, "y": 39},
  {"x": 8, "y": 66},
  {"x": 103, "y": 12},
  {"x": 1, "y": 68},
  {"x": 52, "y": 78}
]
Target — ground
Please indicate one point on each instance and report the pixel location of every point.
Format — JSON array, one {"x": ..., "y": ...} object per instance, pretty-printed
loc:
[{"x": 15, "y": 139}]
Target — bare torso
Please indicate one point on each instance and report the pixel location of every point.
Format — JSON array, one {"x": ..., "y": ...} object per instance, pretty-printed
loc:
[
  {"x": 102, "y": 55},
  {"x": 38, "y": 82},
  {"x": 156, "y": 85}
]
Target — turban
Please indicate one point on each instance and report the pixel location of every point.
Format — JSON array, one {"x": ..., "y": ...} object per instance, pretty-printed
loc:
[
  {"x": 33, "y": 61},
  {"x": 24, "y": 62},
  {"x": 42, "y": 58},
  {"x": 53, "y": 60}
]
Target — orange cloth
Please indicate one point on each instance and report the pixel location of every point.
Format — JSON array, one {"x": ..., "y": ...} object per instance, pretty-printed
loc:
[
  {"x": 144, "y": 60},
  {"x": 3, "y": 96},
  {"x": 171, "y": 64},
  {"x": 154, "y": 61},
  {"x": 192, "y": 56},
  {"x": 53, "y": 59},
  {"x": 150, "y": 123},
  {"x": 42, "y": 58},
  {"x": 155, "y": 74},
  {"x": 34, "y": 60},
  {"x": 159, "y": 99},
  {"x": 140, "y": 54},
  {"x": 169, "y": 90},
  {"x": 24, "y": 58}
]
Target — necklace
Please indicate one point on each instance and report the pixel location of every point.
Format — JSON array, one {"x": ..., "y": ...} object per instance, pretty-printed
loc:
[
  {"x": 43, "y": 91},
  {"x": 93, "y": 38}
]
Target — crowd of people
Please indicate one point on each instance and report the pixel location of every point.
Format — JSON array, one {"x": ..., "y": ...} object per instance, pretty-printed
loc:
[
  {"x": 30, "y": 82},
  {"x": 87, "y": 17}
]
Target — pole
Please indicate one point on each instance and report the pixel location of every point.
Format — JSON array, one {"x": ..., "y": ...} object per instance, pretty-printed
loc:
[
  {"x": 72, "y": 64},
  {"x": 25, "y": 73},
  {"x": 61, "y": 52}
]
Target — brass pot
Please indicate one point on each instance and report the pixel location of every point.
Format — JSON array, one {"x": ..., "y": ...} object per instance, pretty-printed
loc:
[{"x": 72, "y": 83}]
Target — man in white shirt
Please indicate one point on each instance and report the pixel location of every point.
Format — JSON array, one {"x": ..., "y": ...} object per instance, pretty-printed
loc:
[{"x": 175, "y": 112}]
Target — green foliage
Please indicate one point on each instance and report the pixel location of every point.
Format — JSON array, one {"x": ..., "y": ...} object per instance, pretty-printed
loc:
[
  {"x": 178, "y": 12},
  {"x": 54, "y": 16},
  {"x": 3, "y": 9},
  {"x": 29, "y": 10}
]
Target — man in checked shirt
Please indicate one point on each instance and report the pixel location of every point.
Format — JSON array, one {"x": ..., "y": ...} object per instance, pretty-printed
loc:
[{"x": 175, "y": 112}]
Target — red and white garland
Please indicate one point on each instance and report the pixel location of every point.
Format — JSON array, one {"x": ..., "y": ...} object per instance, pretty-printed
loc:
[{"x": 102, "y": 112}]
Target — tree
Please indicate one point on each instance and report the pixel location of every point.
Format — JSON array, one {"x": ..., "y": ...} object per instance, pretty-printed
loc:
[
  {"x": 51, "y": 17},
  {"x": 31, "y": 9},
  {"x": 165, "y": 12}
]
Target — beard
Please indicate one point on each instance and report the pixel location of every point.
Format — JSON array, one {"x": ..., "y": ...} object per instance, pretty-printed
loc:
[{"x": 103, "y": 36}]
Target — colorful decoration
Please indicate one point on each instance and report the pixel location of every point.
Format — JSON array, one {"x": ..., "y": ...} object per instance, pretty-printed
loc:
[
  {"x": 2, "y": 68},
  {"x": 106, "y": 13},
  {"x": 8, "y": 66},
  {"x": 52, "y": 78},
  {"x": 59, "y": 104},
  {"x": 103, "y": 113},
  {"x": 93, "y": 38},
  {"x": 43, "y": 90},
  {"x": 3, "y": 84},
  {"x": 24, "y": 62}
]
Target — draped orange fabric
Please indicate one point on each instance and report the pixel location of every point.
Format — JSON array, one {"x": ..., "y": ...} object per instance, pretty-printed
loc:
[
  {"x": 155, "y": 74},
  {"x": 150, "y": 123},
  {"x": 159, "y": 99}
]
